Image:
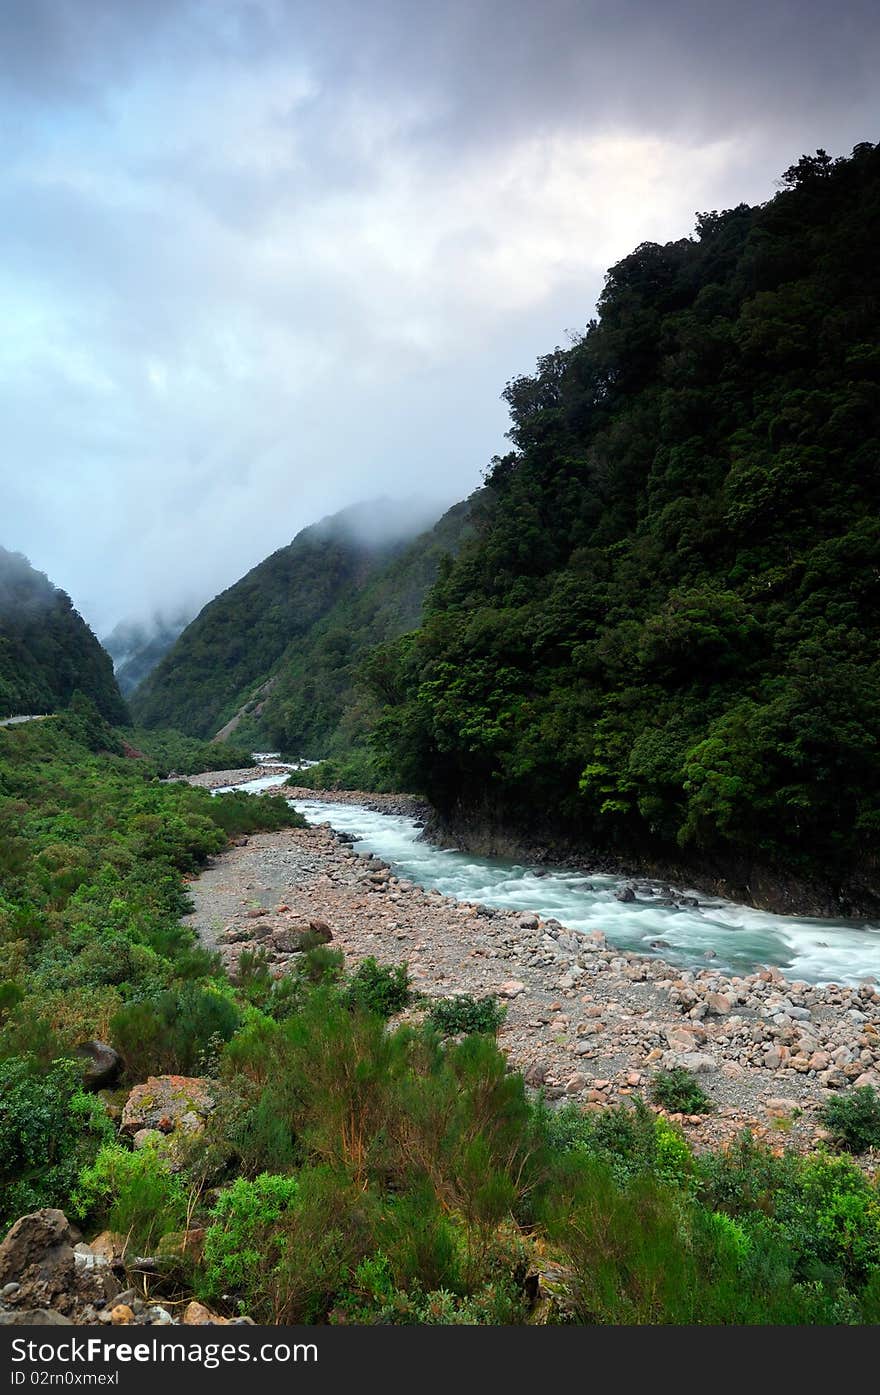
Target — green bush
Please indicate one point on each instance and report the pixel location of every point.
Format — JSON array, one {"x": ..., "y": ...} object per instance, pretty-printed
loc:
[
  {"x": 378, "y": 988},
  {"x": 466, "y": 1014},
  {"x": 174, "y": 1032},
  {"x": 679, "y": 1091},
  {"x": 48, "y": 1130},
  {"x": 134, "y": 1194},
  {"x": 853, "y": 1120},
  {"x": 282, "y": 1246}
]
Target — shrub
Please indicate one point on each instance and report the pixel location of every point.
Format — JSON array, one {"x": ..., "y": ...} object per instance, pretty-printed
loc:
[
  {"x": 48, "y": 1129},
  {"x": 853, "y": 1120},
  {"x": 173, "y": 1032},
  {"x": 378, "y": 988},
  {"x": 283, "y": 1246},
  {"x": 466, "y": 1014},
  {"x": 680, "y": 1092},
  {"x": 135, "y": 1194}
]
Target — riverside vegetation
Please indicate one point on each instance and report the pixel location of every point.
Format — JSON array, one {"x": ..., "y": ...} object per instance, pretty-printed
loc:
[{"x": 347, "y": 1167}]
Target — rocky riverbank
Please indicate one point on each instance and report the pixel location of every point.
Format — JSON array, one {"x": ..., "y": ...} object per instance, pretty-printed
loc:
[{"x": 585, "y": 1021}]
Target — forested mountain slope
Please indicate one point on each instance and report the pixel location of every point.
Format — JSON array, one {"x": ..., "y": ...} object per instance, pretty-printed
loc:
[
  {"x": 664, "y": 638},
  {"x": 234, "y": 643},
  {"x": 47, "y": 651}
]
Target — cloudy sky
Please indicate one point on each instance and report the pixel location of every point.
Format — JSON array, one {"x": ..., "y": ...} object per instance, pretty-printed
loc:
[{"x": 262, "y": 258}]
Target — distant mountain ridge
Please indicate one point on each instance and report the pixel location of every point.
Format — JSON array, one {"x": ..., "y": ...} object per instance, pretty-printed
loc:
[
  {"x": 225, "y": 656},
  {"x": 136, "y": 646},
  {"x": 47, "y": 651}
]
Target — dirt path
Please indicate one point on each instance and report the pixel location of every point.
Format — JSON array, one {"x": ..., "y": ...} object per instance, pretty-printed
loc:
[{"x": 585, "y": 1020}]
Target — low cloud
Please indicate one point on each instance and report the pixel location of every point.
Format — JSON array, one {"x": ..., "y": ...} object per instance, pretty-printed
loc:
[{"x": 261, "y": 260}]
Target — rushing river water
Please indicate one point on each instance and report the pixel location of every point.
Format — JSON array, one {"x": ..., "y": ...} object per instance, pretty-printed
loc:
[{"x": 741, "y": 938}]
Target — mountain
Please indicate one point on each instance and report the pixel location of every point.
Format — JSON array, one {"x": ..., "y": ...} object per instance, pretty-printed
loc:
[
  {"x": 136, "y": 646},
  {"x": 314, "y": 704},
  {"x": 234, "y": 645},
  {"x": 664, "y": 639},
  {"x": 47, "y": 651}
]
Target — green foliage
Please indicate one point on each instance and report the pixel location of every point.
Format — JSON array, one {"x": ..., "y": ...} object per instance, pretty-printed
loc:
[
  {"x": 284, "y": 1245},
  {"x": 48, "y": 1130},
  {"x": 679, "y": 1091},
  {"x": 378, "y": 988},
  {"x": 135, "y": 1194},
  {"x": 662, "y": 637},
  {"x": 92, "y": 852},
  {"x": 173, "y": 1033},
  {"x": 853, "y": 1119},
  {"x": 464, "y": 1013},
  {"x": 172, "y": 752}
]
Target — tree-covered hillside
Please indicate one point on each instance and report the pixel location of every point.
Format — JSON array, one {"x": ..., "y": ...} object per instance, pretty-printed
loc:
[
  {"x": 665, "y": 638},
  {"x": 232, "y": 646},
  {"x": 47, "y": 651}
]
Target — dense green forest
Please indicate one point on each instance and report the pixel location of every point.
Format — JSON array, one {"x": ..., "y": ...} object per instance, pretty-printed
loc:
[
  {"x": 353, "y": 1169},
  {"x": 47, "y": 651},
  {"x": 663, "y": 639},
  {"x": 223, "y": 660}
]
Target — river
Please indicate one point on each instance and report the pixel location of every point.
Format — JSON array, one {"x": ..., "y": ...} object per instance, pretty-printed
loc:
[{"x": 734, "y": 938}]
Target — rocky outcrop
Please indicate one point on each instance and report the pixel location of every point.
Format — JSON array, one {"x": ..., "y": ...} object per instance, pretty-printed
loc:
[{"x": 50, "y": 1277}]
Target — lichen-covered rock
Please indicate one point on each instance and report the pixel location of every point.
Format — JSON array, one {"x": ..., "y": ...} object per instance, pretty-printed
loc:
[{"x": 164, "y": 1102}]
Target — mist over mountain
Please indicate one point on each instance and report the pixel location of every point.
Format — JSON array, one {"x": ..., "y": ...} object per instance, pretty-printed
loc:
[
  {"x": 239, "y": 637},
  {"x": 47, "y": 651},
  {"x": 136, "y": 646}
]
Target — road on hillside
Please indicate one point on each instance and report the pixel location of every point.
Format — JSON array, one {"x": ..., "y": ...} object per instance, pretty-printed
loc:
[{"x": 14, "y": 721}]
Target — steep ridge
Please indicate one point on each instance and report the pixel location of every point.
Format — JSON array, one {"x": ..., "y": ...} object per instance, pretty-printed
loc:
[
  {"x": 316, "y": 704},
  {"x": 47, "y": 651}
]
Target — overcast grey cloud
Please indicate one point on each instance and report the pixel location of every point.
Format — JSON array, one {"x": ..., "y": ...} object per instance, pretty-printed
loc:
[{"x": 261, "y": 259}]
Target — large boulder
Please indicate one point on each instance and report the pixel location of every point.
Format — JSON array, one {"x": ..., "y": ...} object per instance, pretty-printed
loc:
[
  {"x": 35, "y": 1317},
  {"x": 41, "y": 1255},
  {"x": 169, "y": 1103},
  {"x": 101, "y": 1064},
  {"x": 38, "y": 1255}
]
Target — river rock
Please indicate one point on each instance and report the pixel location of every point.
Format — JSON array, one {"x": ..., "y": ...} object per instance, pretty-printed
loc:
[
  {"x": 697, "y": 1061},
  {"x": 512, "y": 988}
]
